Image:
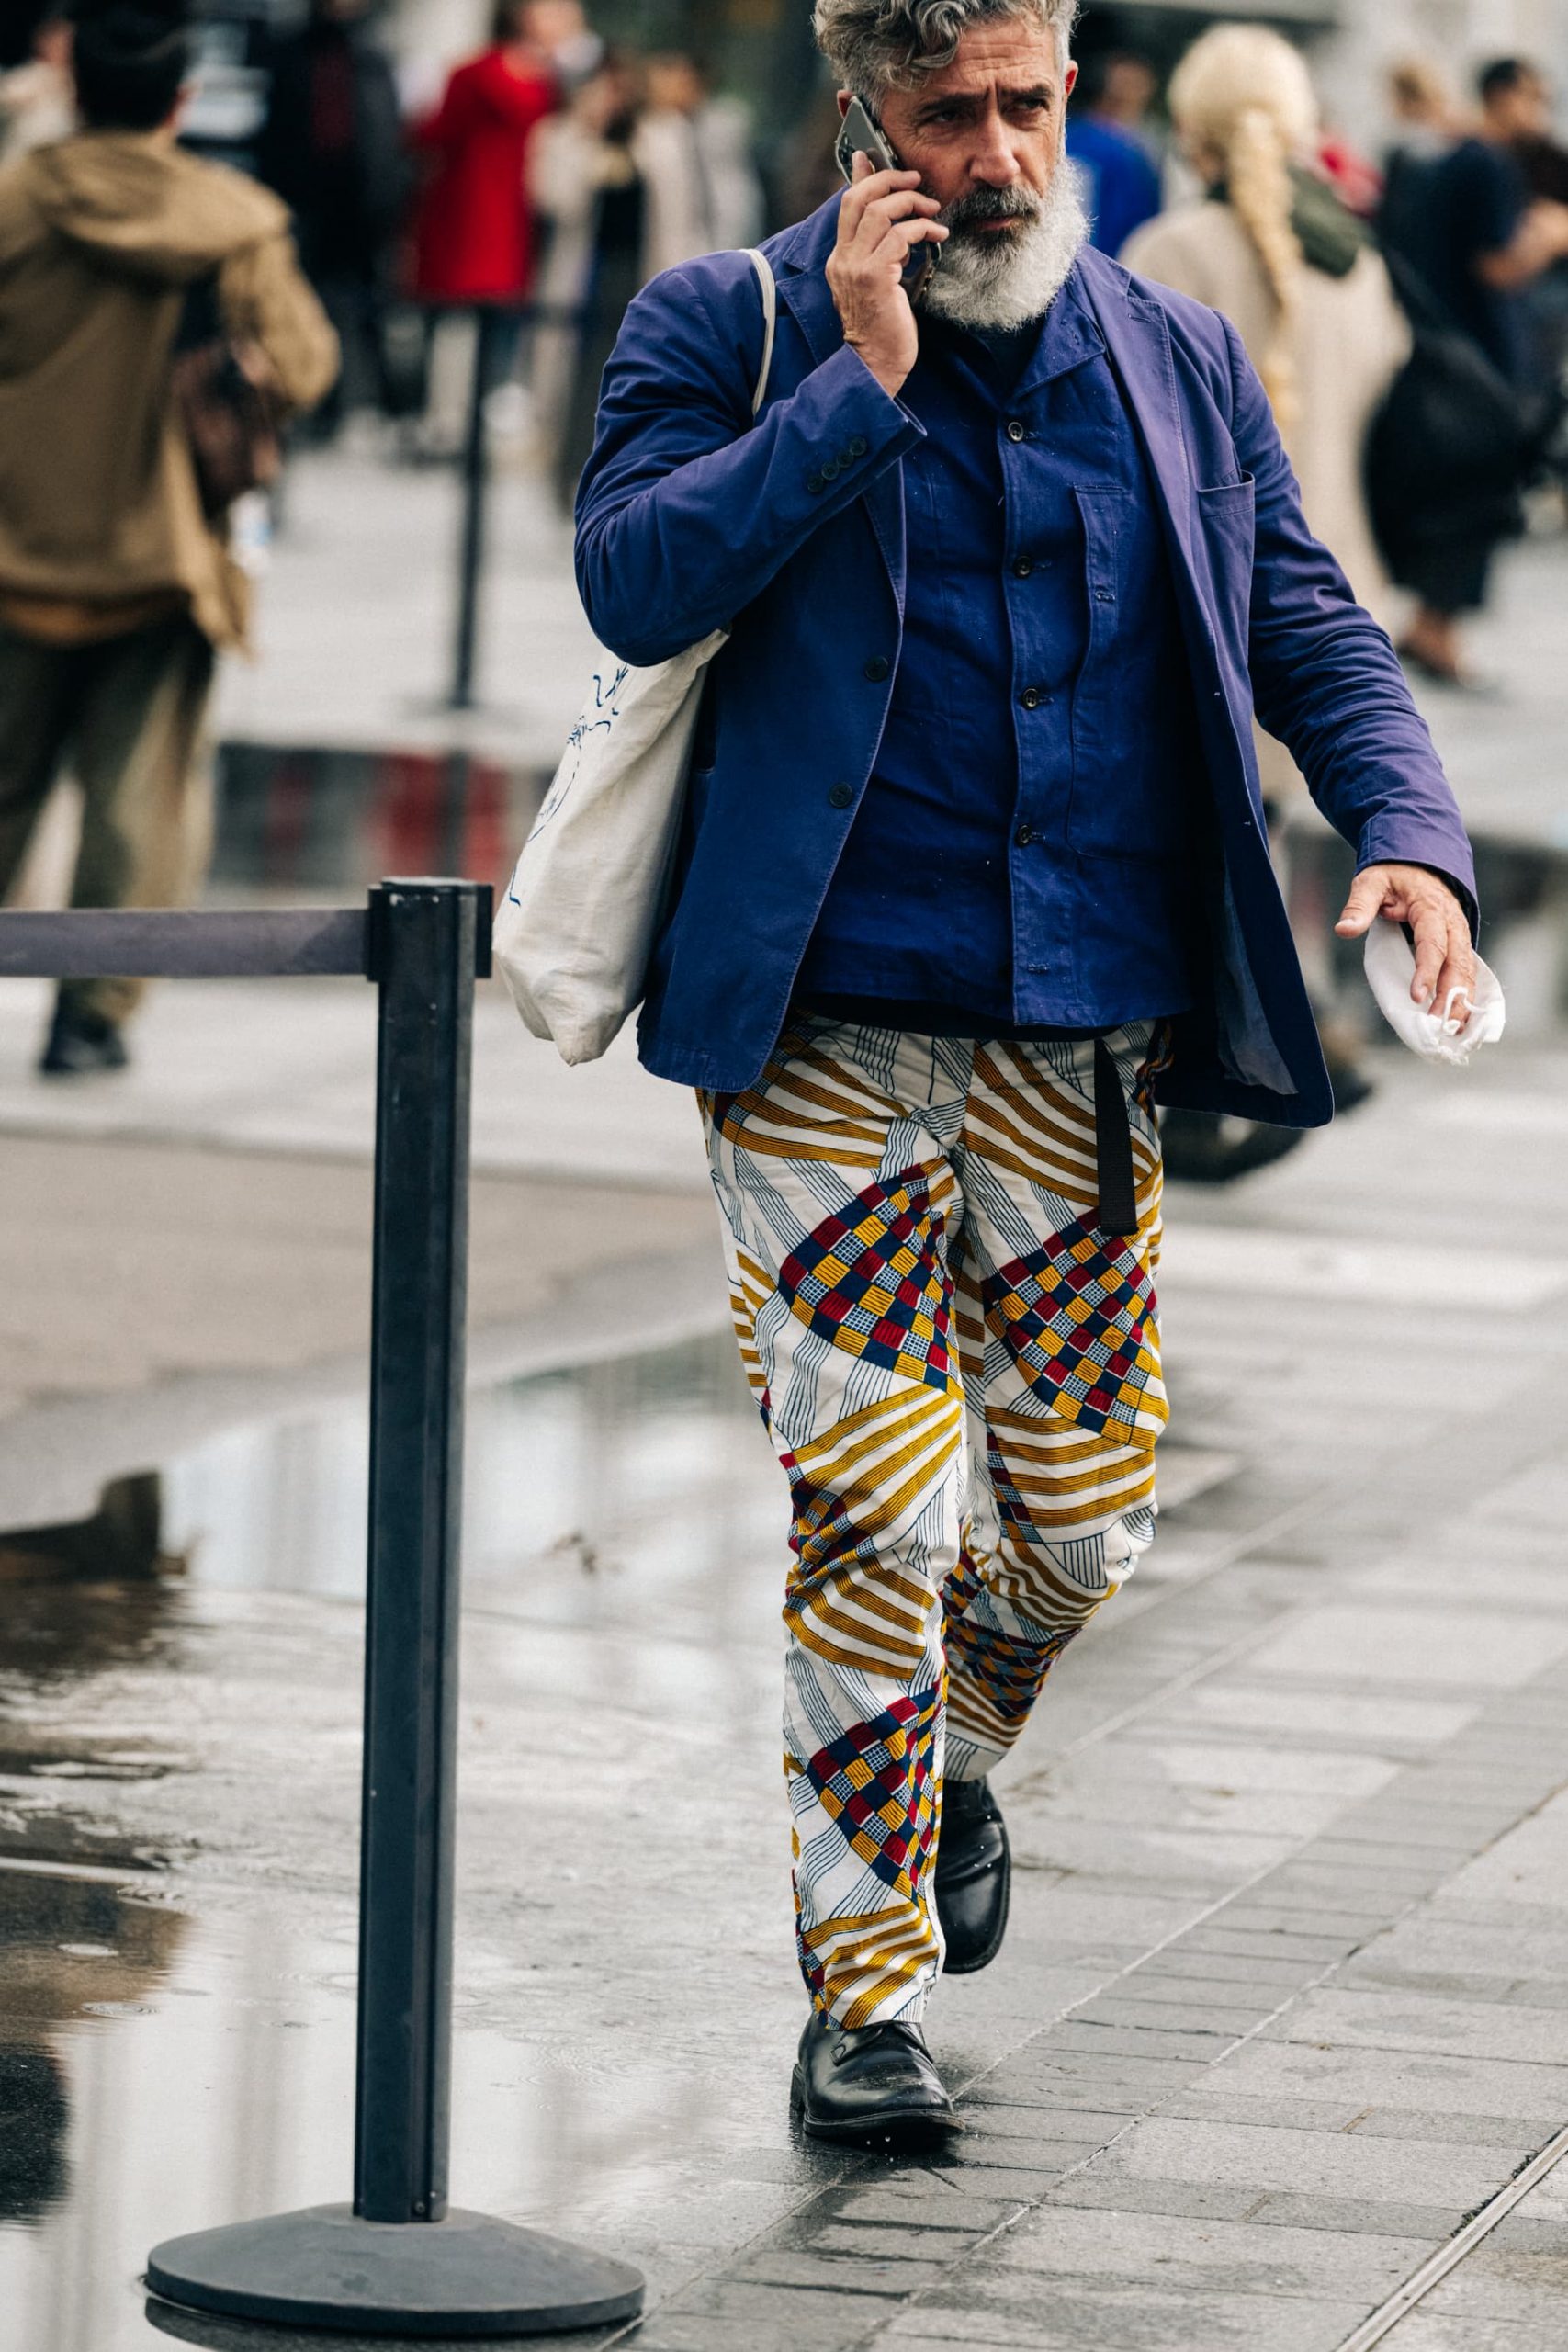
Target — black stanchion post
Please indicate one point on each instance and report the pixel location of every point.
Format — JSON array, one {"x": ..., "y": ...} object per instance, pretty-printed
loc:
[
  {"x": 476, "y": 493},
  {"x": 422, "y": 949},
  {"x": 398, "y": 2262}
]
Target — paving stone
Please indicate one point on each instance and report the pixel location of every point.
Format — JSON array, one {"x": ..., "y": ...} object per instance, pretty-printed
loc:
[
  {"x": 1504, "y": 2283},
  {"x": 1146, "y": 2010},
  {"x": 1286, "y": 1942},
  {"x": 876, "y": 2243},
  {"x": 1222, "y": 1968},
  {"x": 1264, "y": 2156},
  {"x": 787, "y": 2266},
  {"x": 1414, "y": 2021},
  {"x": 1428, "y": 2331},
  {"x": 1389, "y": 2078},
  {"x": 1305, "y": 1916},
  {"x": 1533, "y": 2233},
  {"x": 766, "y": 2318},
  {"x": 988, "y": 2110},
  {"x": 1387, "y": 2218},
  {"x": 1027, "y": 2184},
  {"x": 1101, "y": 2193},
  {"x": 1008, "y": 2150},
  {"x": 930, "y": 2208},
  {"x": 1132, "y": 2042},
  {"x": 1083, "y": 2316},
  {"x": 1236, "y": 2258}
]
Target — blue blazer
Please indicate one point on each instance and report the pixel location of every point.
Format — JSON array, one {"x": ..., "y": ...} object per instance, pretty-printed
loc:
[{"x": 790, "y": 533}]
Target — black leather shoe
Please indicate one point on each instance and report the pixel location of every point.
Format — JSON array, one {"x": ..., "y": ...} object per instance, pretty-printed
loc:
[
  {"x": 974, "y": 1876},
  {"x": 872, "y": 2086},
  {"x": 80, "y": 1042}
]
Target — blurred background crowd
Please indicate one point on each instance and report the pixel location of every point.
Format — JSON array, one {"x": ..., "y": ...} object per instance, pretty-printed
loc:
[{"x": 1344, "y": 188}]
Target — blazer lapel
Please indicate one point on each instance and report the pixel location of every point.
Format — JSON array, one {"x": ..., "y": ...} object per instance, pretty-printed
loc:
[
  {"x": 806, "y": 295},
  {"x": 1139, "y": 343}
]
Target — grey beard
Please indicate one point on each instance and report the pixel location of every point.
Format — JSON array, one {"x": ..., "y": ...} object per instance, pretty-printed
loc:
[{"x": 1006, "y": 283}]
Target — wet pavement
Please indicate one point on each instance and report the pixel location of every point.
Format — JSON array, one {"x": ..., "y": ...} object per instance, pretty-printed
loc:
[{"x": 1286, "y": 1991}]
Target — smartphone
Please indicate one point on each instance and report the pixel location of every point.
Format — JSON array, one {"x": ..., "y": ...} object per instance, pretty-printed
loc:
[{"x": 860, "y": 133}]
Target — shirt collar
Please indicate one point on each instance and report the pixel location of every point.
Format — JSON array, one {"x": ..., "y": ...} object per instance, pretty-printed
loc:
[{"x": 1068, "y": 335}]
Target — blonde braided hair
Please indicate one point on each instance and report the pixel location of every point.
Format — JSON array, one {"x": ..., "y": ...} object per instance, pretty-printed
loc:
[{"x": 1243, "y": 102}]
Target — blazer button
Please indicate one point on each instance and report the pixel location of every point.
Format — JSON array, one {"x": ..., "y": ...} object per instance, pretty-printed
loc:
[
  {"x": 876, "y": 670},
  {"x": 859, "y": 446},
  {"x": 814, "y": 482},
  {"x": 840, "y": 795},
  {"x": 831, "y": 469},
  {"x": 1015, "y": 430}
]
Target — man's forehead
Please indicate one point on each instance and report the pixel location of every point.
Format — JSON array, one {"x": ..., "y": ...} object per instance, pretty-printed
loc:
[{"x": 1011, "y": 53}]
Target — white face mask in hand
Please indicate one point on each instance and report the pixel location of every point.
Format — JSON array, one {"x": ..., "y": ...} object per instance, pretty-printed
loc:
[{"x": 1434, "y": 1033}]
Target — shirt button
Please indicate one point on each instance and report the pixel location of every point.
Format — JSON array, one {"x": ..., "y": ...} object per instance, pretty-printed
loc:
[
  {"x": 840, "y": 795},
  {"x": 1015, "y": 430},
  {"x": 1033, "y": 697},
  {"x": 1026, "y": 836},
  {"x": 1023, "y": 566},
  {"x": 876, "y": 670}
]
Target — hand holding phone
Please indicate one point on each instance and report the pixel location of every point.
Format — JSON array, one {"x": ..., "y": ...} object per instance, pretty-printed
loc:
[
  {"x": 860, "y": 133},
  {"x": 887, "y": 227}
]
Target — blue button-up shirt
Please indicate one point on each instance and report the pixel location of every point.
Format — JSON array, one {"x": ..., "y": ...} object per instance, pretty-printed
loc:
[{"x": 1024, "y": 850}]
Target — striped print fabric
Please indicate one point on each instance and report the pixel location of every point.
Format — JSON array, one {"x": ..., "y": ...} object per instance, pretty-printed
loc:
[{"x": 959, "y": 1374}]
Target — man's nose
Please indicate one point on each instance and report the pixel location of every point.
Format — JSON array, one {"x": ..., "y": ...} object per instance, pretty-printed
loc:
[{"x": 994, "y": 162}]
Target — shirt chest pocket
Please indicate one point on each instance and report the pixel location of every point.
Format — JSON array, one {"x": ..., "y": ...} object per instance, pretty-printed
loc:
[
  {"x": 1128, "y": 796},
  {"x": 1227, "y": 517}
]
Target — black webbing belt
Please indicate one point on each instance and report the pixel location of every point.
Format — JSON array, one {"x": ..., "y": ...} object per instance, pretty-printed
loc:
[{"x": 1113, "y": 1146}]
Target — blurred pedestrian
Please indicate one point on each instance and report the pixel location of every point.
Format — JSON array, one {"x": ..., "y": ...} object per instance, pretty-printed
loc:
[
  {"x": 333, "y": 146},
  {"x": 474, "y": 236},
  {"x": 117, "y": 587},
  {"x": 695, "y": 152},
  {"x": 1116, "y": 163},
  {"x": 36, "y": 104},
  {"x": 1271, "y": 244},
  {"x": 1464, "y": 230}
]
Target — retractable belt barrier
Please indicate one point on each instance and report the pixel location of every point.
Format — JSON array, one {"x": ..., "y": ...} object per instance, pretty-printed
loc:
[{"x": 398, "y": 2262}]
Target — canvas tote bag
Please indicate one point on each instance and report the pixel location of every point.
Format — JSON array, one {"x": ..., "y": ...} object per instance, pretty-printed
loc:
[{"x": 576, "y": 925}]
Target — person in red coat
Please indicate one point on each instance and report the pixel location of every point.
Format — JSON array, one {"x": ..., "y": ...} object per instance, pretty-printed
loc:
[{"x": 474, "y": 230}]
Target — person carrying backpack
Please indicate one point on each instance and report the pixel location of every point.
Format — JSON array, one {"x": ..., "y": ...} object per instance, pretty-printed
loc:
[{"x": 117, "y": 458}]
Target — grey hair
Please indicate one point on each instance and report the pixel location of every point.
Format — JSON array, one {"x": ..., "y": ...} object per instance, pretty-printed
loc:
[{"x": 876, "y": 45}]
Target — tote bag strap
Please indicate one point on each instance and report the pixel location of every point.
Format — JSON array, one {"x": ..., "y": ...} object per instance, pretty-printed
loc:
[{"x": 769, "y": 293}]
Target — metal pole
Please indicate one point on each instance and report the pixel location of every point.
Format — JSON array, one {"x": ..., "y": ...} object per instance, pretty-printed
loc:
[
  {"x": 476, "y": 491},
  {"x": 422, "y": 952}
]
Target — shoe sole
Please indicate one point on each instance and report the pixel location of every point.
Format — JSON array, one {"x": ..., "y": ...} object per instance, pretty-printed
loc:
[
  {"x": 983, "y": 1959},
  {"x": 905, "y": 2124}
]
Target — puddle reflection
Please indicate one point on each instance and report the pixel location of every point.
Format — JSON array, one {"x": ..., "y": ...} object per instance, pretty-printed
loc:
[{"x": 161, "y": 2072}]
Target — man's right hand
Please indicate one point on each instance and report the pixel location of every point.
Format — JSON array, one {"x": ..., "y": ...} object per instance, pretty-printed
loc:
[{"x": 882, "y": 216}]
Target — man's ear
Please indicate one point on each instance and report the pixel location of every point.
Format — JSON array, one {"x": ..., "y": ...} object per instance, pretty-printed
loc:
[
  {"x": 844, "y": 96},
  {"x": 1068, "y": 78}
]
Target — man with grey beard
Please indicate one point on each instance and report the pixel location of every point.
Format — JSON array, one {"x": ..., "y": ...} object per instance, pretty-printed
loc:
[{"x": 972, "y": 874}]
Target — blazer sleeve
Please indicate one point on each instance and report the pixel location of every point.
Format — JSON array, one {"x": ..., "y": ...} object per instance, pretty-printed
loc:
[
  {"x": 1326, "y": 681},
  {"x": 686, "y": 509}
]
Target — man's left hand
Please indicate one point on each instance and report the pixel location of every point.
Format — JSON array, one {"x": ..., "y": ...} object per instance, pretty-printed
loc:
[{"x": 1409, "y": 893}]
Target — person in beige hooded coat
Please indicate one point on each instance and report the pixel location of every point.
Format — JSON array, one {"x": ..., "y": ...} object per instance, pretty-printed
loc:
[{"x": 116, "y": 590}]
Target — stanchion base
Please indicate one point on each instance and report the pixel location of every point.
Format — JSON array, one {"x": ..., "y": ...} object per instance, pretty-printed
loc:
[{"x": 468, "y": 2276}]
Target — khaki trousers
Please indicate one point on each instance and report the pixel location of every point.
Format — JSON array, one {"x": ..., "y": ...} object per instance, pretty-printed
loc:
[{"x": 126, "y": 718}]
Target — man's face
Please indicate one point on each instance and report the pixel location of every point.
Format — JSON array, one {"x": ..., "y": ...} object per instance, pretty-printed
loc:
[
  {"x": 1523, "y": 111},
  {"x": 991, "y": 120}
]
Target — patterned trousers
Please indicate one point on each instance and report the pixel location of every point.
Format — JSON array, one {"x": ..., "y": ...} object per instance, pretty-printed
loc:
[{"x": 960, "y": 1372}]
